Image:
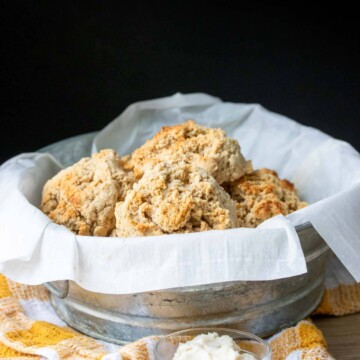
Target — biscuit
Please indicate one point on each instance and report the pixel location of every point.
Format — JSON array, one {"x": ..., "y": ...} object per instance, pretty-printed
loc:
[
  {"x": 174, "y": 198},
  {"x": 260, "y": 195},
  {"x": 83, "y": 196},
  {"x": 203, "y": 147}
]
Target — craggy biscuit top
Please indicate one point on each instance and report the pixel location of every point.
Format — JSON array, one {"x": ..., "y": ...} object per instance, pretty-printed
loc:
[
  {"x": 174, "y": 198},
  {"x": 204, "y": 147},
  {"x": 171, "y": 184},
  {"x": 260, "y": 195},
  {"x": 83, "y": 196}
]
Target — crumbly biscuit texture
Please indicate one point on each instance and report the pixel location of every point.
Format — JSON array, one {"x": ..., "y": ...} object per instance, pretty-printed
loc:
[
  {"x": 83, "y": 196},
  {"x": 203, "y": 147},
  {"x": 260, "y": 195},
  {"x": 174, "y": 198}
]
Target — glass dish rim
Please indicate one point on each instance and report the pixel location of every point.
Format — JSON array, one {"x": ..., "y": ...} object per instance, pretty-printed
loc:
[{"x": 215, "y": 329}]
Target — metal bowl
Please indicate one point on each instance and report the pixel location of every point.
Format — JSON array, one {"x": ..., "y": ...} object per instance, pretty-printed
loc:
[{"x": 259, "y": 307}]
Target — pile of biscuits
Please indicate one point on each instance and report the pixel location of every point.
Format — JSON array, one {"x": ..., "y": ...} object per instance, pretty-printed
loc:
[{"x": 187, "y": 178}]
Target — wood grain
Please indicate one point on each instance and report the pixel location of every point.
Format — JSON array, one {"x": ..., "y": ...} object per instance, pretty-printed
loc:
[{"x": 342, "y": 334}]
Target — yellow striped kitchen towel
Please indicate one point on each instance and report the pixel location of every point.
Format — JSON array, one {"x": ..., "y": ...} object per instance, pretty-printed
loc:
[{"x": 30, "y": 329}]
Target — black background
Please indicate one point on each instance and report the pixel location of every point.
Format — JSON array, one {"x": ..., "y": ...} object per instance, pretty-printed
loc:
[{"x": 70, "y": 67}]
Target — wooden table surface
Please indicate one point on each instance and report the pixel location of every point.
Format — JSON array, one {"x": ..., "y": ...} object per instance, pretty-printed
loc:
[{"x": 342, "y": 334}]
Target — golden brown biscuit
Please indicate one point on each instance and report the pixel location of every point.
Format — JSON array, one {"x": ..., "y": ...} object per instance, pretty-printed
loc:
[
  {"x": 203, "y": 147},
  {"x": 174, "y": 198},
  {"x": 83, "y": 196},
  {"x": 260, "y": 195}
]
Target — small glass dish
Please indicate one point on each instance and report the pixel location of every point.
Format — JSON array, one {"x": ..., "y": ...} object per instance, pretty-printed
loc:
[{"x": 166, "y": 347}]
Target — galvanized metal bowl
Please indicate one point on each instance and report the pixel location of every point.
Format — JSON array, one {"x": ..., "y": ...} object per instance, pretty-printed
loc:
[{"x": 260, "y": 307}]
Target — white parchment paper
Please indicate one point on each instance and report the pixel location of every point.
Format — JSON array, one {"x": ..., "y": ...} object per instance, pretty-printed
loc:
[{"x": 326, "y": 171}]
